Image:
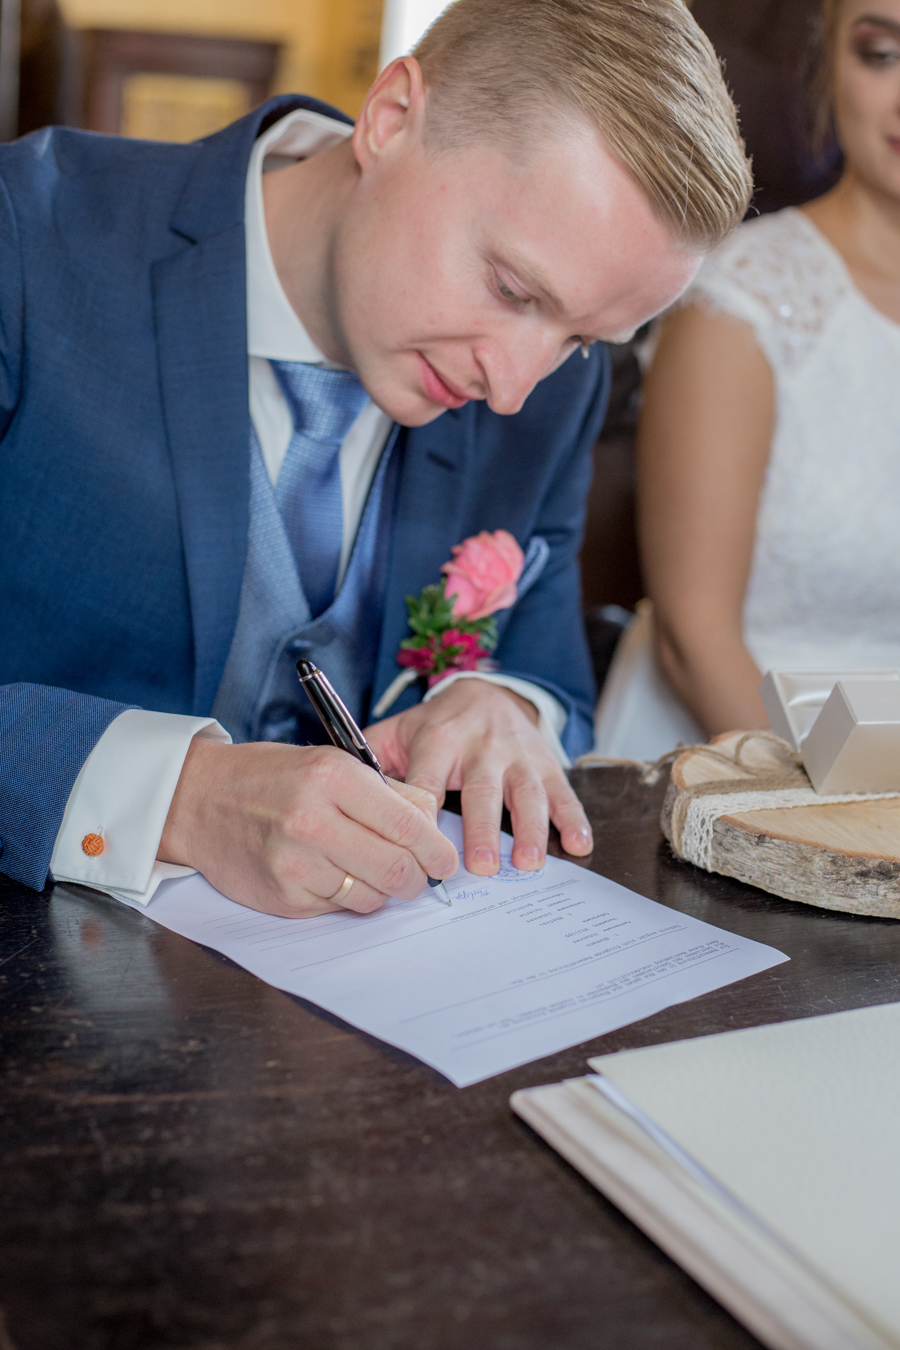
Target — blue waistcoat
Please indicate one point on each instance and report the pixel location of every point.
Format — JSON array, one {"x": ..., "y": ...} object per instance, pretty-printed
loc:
[{"x": 260, "y": 697}]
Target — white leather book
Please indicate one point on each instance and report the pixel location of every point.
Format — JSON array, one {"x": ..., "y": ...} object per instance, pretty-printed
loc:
[{"x": 765, "y": 1162}]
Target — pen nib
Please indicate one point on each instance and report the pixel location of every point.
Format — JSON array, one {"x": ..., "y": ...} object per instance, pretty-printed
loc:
[{"x": 439, "y": 891}]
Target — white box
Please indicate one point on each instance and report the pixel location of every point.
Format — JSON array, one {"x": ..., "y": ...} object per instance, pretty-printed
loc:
[
  {"x": 794, "y": 698},
  {"x": 854, "y": 743}
]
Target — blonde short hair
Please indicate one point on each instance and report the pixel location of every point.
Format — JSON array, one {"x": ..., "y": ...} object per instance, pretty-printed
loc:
[{"x": 641, "y": 71}]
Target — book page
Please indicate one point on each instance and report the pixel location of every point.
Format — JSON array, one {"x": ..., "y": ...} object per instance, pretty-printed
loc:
[
  {"x": 798, "y": 1121},
  {"x": 523, "y": 964}
]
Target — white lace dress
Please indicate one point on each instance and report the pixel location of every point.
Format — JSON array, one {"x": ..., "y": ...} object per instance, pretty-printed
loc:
[{"x": 824, "y": 588}]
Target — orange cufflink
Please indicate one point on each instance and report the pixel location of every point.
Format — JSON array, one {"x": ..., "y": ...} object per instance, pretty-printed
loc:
[{"x": 92, "y": 845}]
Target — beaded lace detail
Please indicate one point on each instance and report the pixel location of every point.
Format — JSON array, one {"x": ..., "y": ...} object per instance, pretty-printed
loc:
[{"x": 780, "y": 275}]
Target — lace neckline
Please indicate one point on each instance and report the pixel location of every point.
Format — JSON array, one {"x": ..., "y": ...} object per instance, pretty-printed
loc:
[{"x": 837, "y": 259}]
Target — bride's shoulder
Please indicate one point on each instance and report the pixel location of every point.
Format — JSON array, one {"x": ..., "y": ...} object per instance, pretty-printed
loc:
[
  {"x": 779, "y": 274},
  {"x": 781, "y": 250}
]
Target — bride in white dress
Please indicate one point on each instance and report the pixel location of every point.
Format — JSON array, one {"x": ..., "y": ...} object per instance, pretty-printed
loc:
[{"x": 769, "y": 445}]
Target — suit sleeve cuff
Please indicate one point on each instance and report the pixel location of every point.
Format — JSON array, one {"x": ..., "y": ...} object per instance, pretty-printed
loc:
[
  {"x": 122, "y": 795},
  {"x": 552, "y": 716}
]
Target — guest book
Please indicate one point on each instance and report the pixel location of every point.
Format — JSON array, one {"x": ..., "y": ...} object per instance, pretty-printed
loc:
[{"x": 765, "y": 1162}]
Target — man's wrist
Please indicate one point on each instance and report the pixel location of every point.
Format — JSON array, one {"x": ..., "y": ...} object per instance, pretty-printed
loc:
[
  {"x": 179, "y": 831},
  {"x": 120, "y": 799},
  {"x": 524, "y": 704}
]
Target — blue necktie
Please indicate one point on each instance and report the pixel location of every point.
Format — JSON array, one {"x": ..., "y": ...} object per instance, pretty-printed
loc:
[{"x": 324, "y": 405}]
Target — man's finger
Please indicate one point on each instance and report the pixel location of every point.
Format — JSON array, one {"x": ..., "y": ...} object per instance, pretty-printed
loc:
[
  {"x": 421, "y": 798},
  {"x": 432, "y": 761},
  {"x": 387, "y": 740},
  {"x": 482, "y": 807},
  {"x": 391, "y": 817},
  {"x": 528, "y": 808},
  {"x": 568, "y": 816},
  {"x": 358, "y": 896},
  {"x": 393, "y": 869},
  {"x": 361, "y": 898}
]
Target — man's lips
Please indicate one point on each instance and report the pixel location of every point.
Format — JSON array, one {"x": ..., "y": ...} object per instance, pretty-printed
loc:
[{"x": 437, "y": 390}]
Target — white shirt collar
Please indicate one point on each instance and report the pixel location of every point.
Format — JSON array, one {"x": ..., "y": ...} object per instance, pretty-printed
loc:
[{"x": 273, "y": 328}]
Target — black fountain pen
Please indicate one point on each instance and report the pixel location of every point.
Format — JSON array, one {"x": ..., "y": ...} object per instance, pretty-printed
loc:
[{"x": 346, "y": 734}]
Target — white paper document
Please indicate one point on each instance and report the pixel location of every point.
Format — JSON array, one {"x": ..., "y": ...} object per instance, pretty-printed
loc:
[{"x": 523, "y": 964}]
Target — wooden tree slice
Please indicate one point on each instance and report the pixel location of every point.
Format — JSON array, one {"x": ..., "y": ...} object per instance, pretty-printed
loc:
[{"x": 843, "y": 856}]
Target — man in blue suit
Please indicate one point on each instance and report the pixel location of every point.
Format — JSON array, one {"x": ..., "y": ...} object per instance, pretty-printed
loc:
[{"x": 409, "y": 297}]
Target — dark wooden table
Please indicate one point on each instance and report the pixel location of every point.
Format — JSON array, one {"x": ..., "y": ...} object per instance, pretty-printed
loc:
[{"x": 194, "y": 1161}]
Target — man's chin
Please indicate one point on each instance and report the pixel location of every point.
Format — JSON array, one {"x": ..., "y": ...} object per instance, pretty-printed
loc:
[
  {"x": 423, "y": 418},
  {"x": 410, "y": 410}
]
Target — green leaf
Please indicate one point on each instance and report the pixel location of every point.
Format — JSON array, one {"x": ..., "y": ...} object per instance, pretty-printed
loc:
[
  {"x": 431, "y": 615},
  {"x": 489, "y": 633}
]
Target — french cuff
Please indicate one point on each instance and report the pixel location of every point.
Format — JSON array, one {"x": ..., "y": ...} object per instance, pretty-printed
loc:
[
  {"x": 552, "y": 716},
  {"x": 114, "y": 818}
]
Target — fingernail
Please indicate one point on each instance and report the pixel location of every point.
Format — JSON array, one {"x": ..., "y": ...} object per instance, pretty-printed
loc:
[
  {"x": 529, "y": 854},
  {"x": 584, "y": 838},
  {"x": 483, "y": 854}
]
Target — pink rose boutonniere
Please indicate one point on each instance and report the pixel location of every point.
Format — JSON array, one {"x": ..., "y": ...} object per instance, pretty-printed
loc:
[
  {"x": 452, "y": 624},
  {"x": 483, "y": 574}
]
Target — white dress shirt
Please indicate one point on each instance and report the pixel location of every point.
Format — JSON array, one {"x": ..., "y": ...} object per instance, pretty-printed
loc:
[{"x": 125, "y": 787}]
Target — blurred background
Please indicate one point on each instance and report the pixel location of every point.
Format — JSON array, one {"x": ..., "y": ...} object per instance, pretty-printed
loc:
[{"x": 181, "y": 69}]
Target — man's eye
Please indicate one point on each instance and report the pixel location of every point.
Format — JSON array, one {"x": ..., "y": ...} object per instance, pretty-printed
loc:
[{"x": 507, "y": 292}]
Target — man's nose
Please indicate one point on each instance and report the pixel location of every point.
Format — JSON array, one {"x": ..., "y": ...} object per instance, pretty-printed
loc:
[{"x": 513, "y": 369}]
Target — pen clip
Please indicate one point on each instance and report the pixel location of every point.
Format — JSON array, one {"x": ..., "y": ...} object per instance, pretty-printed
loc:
[
  {"x": 335, "y": 716},
  {"x": 340, "y": 711}
]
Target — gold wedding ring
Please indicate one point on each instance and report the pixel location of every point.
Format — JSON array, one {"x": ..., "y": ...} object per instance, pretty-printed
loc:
[{"x": 341, "y": 894}]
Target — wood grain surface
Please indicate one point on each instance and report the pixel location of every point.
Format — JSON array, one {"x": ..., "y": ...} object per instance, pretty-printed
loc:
[
  {"x": 842, "y": 855},
  {"x": 195, "y": 1161}
]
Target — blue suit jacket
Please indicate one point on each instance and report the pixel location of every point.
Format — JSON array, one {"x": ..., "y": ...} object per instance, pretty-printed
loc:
[{"x": 124, "y": 478}]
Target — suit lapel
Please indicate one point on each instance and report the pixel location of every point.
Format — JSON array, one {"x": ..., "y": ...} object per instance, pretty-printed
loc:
[
  {"x": 202, "y": 334},
  {"x": 428, "y": 516},
  {"x": 200, "y": 308}
]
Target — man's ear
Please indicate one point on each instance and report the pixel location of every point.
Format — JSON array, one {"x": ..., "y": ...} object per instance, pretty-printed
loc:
[{"x": 394, "y": 108}]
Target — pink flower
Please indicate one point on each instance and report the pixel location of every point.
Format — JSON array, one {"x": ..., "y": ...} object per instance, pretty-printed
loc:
[
  {"x": 420, "y": 658},
  {"x": 424, "y": 659},
  {"x": 483, "y": 574},
  {"x": 472, "y": 652}
]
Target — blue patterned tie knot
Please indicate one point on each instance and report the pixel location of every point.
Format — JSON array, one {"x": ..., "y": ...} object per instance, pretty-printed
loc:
[{"x": 324, "y": 405}]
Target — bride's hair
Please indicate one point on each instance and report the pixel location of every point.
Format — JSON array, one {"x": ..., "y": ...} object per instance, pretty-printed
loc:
[
  {"x": 823, "y": 56},
  {"x": 641, "y": 71}
]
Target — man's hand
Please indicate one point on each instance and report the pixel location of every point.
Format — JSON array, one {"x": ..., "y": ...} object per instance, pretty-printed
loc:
[
  {"x": 278, "y": 827},
  {"x": 482, "y": 739}
]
